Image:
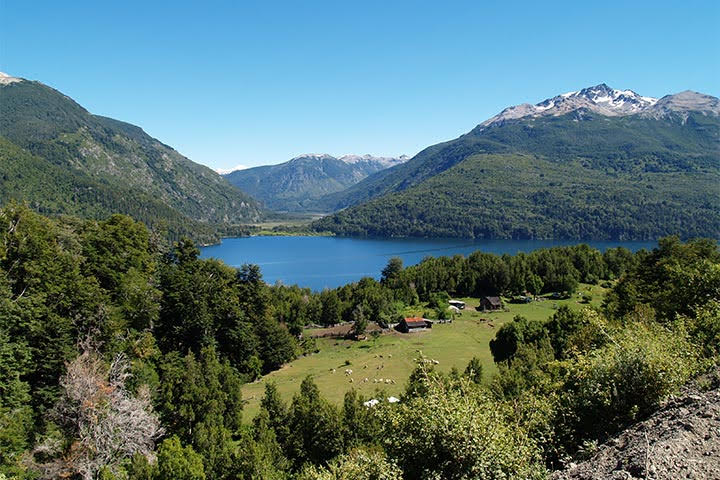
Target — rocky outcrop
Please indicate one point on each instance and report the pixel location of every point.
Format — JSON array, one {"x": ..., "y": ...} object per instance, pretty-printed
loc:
[{"x": 682, "y": 440}]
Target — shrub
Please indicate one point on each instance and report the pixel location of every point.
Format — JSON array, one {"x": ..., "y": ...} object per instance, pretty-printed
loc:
[
  {"x": 176, "y": 462},
  {"x": 626, "y": 379},
  {"x": 458, "y": 431},
  {"x": 359, "y": 464},
  {"x": 514, "y": 334},
  {"x": 705, "y": 329}
]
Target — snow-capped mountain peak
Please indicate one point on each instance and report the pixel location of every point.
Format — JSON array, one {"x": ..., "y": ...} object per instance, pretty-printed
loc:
[
  {"x": 313, "y": 156},
  {"x": 6, "y": 79},
  {"x": 384, "y": 161},
  {"x": 600, "y": 99}
]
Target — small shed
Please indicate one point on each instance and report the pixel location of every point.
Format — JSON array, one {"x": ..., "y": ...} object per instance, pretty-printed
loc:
[
  {"x": 412, "y": 324},
  {"x": 490, "y": 303},
  {"x": 459, "y": 304}
]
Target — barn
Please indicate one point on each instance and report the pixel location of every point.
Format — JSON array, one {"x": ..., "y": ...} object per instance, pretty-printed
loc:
[
  {"x": 413, "y": 324},
  {"x": 490, "y": 303}
]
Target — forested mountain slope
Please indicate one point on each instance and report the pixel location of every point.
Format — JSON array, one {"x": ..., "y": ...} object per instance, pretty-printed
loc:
[
  {"x": 575, "y": 173},
  {"x": 60, "y": 159},
  {"x": 295, "y": 184}
]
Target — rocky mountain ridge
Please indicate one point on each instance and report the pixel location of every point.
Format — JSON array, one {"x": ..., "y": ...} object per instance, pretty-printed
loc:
[
  {"x": 295, "y": 184},
  {"x": 610, "y": 102}
]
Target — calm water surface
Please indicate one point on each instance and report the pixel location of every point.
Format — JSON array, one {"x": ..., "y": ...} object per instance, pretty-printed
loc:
[{"x": 320, "y": 262}]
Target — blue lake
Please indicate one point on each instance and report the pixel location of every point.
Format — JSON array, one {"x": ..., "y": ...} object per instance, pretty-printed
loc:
[{"x": 328, "y": 262}]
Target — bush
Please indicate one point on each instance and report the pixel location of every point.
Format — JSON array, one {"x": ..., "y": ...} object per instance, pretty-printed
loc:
[
  {"x": 624, "y": 380},
  {"x": 705, "y": 330},
  {"x": 513, "y": 335},
  {"x": 359, "y": 464},
  {"x": 176, "y": 462},
  {"x": 457, "y": 431}
]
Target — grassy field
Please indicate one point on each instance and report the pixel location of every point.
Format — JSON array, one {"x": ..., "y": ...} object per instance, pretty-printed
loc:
[
  {"x": 392, "y": 356},
  {"x": 293, "y": 225}
]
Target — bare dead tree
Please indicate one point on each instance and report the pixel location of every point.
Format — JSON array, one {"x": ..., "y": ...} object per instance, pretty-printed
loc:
[{"x": 104, "y": 420}]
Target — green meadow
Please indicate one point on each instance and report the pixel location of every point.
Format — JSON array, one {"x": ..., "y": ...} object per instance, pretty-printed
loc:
[{"x": 391, "y": 356}]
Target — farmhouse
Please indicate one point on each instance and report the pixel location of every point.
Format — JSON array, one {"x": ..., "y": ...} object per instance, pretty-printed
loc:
[
  {"x": 490, "y": 303},
  {"x": 459, "y": 304},
  {"x": 413, "y": 324}
]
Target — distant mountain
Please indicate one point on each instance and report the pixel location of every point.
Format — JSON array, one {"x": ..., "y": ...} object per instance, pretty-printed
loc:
[
  {"x": 597, "y": 163},
  {"x": 296, "y": 184},
  {"x": 61, "y": 159},
  {"x": 609, "y": 102}
]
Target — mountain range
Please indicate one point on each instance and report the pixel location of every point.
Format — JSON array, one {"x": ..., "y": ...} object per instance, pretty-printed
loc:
[
  {"x": 595, "y": 163},
  {"x": 296, "y": 184},
  {"x": 61, "y": 159}
]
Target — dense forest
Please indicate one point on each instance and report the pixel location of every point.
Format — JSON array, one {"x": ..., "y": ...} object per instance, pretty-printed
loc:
[
  {"x": 578, "y": 175},
  {"x": 123, "y": 358},
  {"x": 60, "y": 159}
]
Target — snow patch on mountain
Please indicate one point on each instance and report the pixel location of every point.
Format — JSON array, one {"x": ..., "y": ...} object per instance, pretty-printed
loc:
[
  {"x": 384, "y": 161},
  {"x": 6, "y": 79},
  {"x": 225, "y": 171}
]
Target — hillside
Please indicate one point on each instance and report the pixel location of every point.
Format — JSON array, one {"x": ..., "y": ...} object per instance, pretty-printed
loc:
[
  {"x": 61, "y": 159},
  {"x": 296, "y": 184},
  {"x": 567, "y": 171},
  {"x": 682, "y": 440}
]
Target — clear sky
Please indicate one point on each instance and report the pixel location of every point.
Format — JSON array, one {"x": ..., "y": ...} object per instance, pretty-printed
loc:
[{"x": 234, "y": 82}]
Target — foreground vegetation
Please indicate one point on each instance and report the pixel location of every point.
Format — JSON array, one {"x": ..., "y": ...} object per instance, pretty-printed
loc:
[{"x": 122, "y": 360}]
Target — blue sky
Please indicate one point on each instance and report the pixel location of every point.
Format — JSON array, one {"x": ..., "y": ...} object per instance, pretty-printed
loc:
[{"x": 252, "y": 83}]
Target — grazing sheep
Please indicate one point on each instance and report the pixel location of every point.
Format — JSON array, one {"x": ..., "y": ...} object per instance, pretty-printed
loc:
[
  {"x": 351, "y": 380},
  {"x": 389, "y": 355},
  {"x": 365, "y": 380},
  {"x": 348, "y": 371},
  {"x": 380, "y": 380},
  {"x": 374, "y": 380},
  {"x": 436, "y": 362},
  {"x": 387, "y": 380},
  {"x": 364, "y": 366},
  {"x": 332, "y": 370},
  {"x": 393, "y": 382}
]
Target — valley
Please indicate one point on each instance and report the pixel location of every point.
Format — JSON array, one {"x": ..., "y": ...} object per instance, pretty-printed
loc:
[
  {"x": 359, "y": 240},
  {"x": 393, "y": 355}
]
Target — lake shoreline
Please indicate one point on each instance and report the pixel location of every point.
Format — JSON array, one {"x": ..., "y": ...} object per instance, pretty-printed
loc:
[{"x": 319, "y": 262}]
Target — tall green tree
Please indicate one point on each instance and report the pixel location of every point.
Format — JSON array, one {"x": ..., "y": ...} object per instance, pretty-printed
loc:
[{"x": 315, "y": 427}]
